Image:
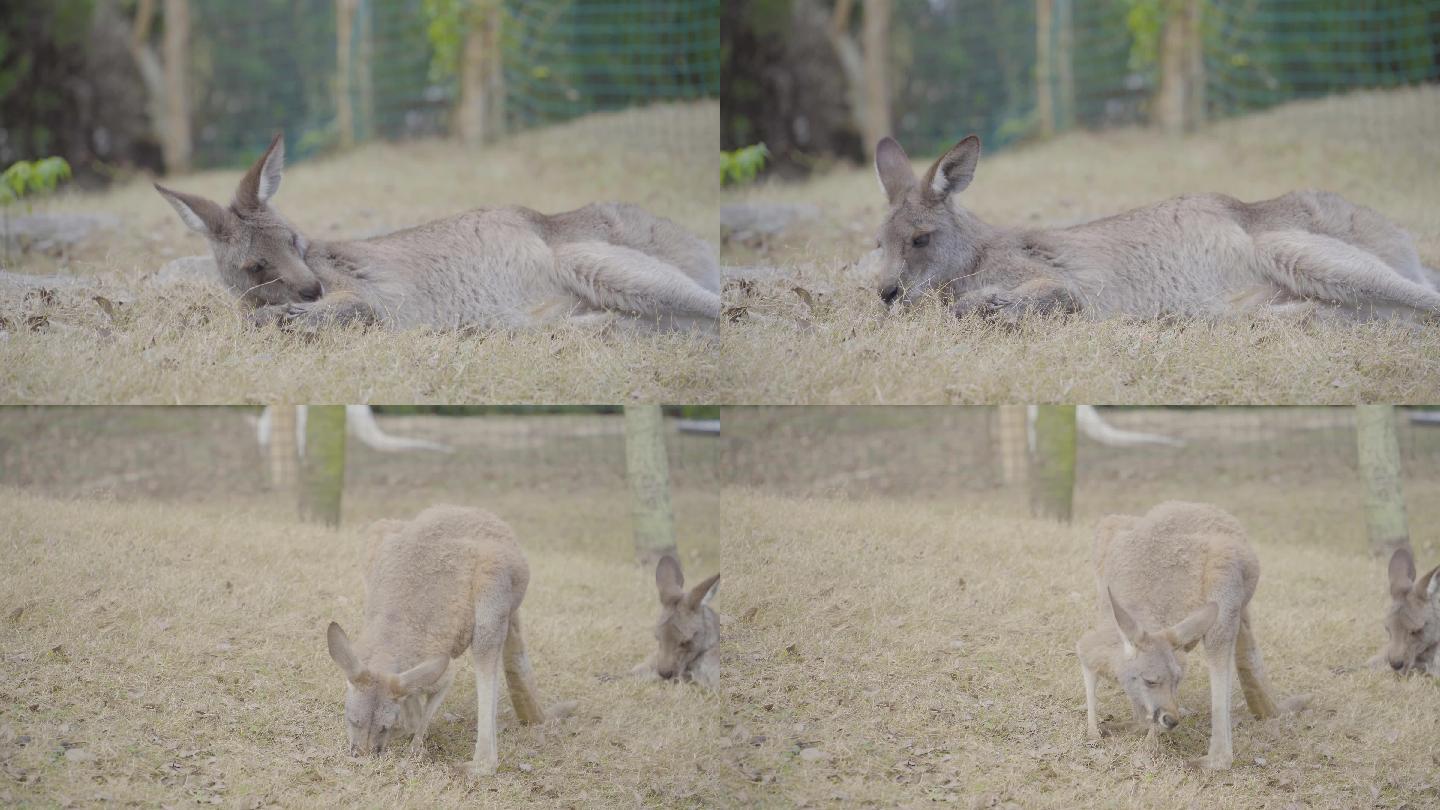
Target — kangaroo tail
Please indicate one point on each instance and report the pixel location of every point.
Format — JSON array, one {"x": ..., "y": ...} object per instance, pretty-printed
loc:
[
  {"x": 362, "y": 421},
  {"x": 1251, "y": 668},
  {"x": 519, "y": 676}
]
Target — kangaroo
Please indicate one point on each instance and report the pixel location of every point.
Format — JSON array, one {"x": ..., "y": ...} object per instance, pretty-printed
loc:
[
  {"x": 1202, "y": 255},
  {"x": 450, "y": 579},
  {"x": 1413, "y": 620},
  {"x": 491, "y": 268},
  {"x": 1182, "y": 574},
  {"x": 688, "y": 631}
]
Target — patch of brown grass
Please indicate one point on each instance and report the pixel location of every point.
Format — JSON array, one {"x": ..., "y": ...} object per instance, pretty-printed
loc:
[
  {"x": 922, "y": 649},
  {"x": 1375, "y": 148},
  {"x": 186, "y": 343},
  {"x": 180, "y": 647}
]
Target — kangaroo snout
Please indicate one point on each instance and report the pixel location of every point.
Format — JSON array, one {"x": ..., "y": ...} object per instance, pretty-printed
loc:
[
  {"x": 1397, "y": 665},
  {"x": 889, "y": 293},
  {"x": 312, "y": 292},
  {"x": 1166, "y": 718},
  {"x": 665, "y": 672}
]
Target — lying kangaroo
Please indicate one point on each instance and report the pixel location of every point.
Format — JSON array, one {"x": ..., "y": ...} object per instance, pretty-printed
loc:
[
  {"x": 451, "y": 578},
  {"x": 1413, "y": 620},
  {"x": 1181, "y": 574},
  {"x": 488, "y": 268},
  {"x": 688, "y": 631},
  {"x": 1197, "y": 255}
]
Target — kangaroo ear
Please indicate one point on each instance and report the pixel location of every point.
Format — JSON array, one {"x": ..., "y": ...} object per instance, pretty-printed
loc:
[
  {"x": 702, "y": 593},
  {"x": 263, "y": 180},
  {"x": 196, "y": 212},
  {"x": 340, "y": 650},
  {"x": 893, "y": 168},
  {"x": 421, "y": 675},
  {"x": 1130, "y": 633},
  {"x": 955, "y": 169},
  {"x": 1426, "y": 586},
  {"x": 1192, "y": 628},
  {"x": 669, "y": 580},
  {"x": 1402, "y": 572}
]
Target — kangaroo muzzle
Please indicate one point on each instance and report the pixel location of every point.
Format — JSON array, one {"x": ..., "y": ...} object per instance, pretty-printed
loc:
[{"x": 1165, "y": 718}]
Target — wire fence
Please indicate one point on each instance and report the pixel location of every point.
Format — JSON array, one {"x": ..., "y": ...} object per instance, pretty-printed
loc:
[
  {"x": 272, "y": 64},
  {"x": 1007, "y": 70}
]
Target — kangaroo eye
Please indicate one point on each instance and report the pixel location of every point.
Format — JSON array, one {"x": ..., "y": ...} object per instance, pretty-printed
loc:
[
  {"x": 1149, "y": 682},
  {"x": 921, "y": 241},
  {"x": 258, "y": 266}
]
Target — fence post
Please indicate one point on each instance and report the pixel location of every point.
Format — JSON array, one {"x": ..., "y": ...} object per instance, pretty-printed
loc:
[
  {"x": 648, "y": 471},
  {"x": 1010, "y": 442},
  {"x": 282, "y": 453},
  {"x": 175, "y": 140},
  {"x": 1052, "y": 463},
  {"x": 1180, "y": 98},
  {"x": 1379, "y": 462},
  {"x": 324, "y": 464},
  {"x": 478, "y": 108}
]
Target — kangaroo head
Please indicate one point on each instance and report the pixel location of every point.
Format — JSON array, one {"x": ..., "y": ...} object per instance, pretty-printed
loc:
[
  {"x": 374, "y": 700},
  {"x": 261, "y": 256},
  {"x": 685, "y": 630},
  {"x": 928, "y": 244},
  {"x": 1412, "y": 602},
  {"x": 1152, "y": 663}
]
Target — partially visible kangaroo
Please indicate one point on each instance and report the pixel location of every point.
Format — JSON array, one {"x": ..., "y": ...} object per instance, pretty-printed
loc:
[
  {"x": 449, "y": 580},
  {"x": 488, "y": 268},
  {"x": 1182, "y": 574},
  {"x": 1413, "y": 620},
  {"x": 1196, "y": 255},
  {"x": 688, "y": 631}
]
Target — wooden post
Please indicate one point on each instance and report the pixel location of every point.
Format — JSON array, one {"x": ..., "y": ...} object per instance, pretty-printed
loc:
[
  {"x": 1065, "y": 64},
  {"x": 1378, "y": 452},
  {"x": 875, "y": 46},
  {"x": 324, "y": 464},
  {"x": 1044, "y": 73},
  {"x": 344, "y": 83},
  {"x": 175, "y": 139},
  {"x": 1180, "y": 97},
  {"x": 648, "y": 471},
  {"x": 477, "y": 108},
  {"x": 1052, "y": 463},
  {"x": 1011, "y": 443},
  {"x": 283, "y": 456}
]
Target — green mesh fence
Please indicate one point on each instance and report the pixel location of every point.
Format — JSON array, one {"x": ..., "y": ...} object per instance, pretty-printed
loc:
[
  {"x": 963, "y": 66},
  {"x": 269, "y": 64}
]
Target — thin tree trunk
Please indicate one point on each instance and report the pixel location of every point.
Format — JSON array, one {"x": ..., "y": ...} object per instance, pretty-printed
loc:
[
  {"x": 283, "y": 456},
  {"x": 648, "y": 470},
  {"x": 324, "y": 464},
  {"x": 875, "y": 45},
  {"x": 344, "y": 83},
  {"x": 1052, "y": 462},
  {"x": 175, "y": 139},
  {"x": 1179, "y": 100},
  {"x": 1379, "y": 461},
  {"x": 1044, "y": 73},
  {"x": 477, "y": 108}
]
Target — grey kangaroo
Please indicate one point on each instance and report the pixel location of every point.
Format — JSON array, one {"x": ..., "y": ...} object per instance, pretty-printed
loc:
[
  {"x": 1198, "y": 255},
  {"x": 1413, "y": 619},
  {"x": 688, "y": 631},
  {"x": 487, "y": 268},
  {"x": 1182, "y": 574}
]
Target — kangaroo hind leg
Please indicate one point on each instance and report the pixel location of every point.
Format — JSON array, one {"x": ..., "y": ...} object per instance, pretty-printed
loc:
[
  {"x": 614, "y": 277},
  {"x": 1251, "y": 669},
  {"x": 1312, "y": 265},
  {"x": 519, "y": 676}
]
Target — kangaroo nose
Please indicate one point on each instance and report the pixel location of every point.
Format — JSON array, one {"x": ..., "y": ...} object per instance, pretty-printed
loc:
[
  {"x": 889, "y": 293},
  {"x": 1169, "y": 720},
  {"x": 312, "y": 293},
  {"x": 1397, "y": 665},
  {"x": 665, "y": 673}
]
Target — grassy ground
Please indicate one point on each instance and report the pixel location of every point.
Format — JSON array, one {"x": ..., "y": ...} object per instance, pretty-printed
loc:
[
  {"x": 186, "y": 343},
  {"x": 904, "y": 651},
  {"x": 818, "y": 318},
  {"x": 170, "y": 654}
]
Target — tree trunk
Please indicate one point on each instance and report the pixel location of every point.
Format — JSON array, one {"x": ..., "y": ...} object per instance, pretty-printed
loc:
[
  {"x": 175, "y": 139},
  {"x": 875, "y": 44},
  {"x": 478, "y": 108},
  {"x": 1044, "y": 73},
  {"x": 648, "y": 470},
  {"x": 324, "y": 464},
  {"x": 1052, "y": 462},
  {"x": 1379, "y": 462},
  {"x": 1179, "y": 101},
  {"x": 283, "y": 456},
  {"x": 344, "y": 83}
]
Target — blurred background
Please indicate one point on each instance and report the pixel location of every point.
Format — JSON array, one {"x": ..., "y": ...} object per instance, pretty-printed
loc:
[
  {"x": 560, "y": 475},
  {"x": 171, "y": 85},
  {"x": 1365, "y": 477},
  {"x": 819, "y": 81}
]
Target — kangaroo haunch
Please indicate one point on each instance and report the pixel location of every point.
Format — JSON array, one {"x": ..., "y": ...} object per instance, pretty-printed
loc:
[
  {"x": 1197, "y": 255},
  {"x": 487, "y": 268}
]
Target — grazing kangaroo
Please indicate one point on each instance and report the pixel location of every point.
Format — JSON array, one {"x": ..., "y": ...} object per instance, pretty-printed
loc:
[
  {"x": 1182, "y": 574},
  {"x": 688, "y": 631},
  {"x": 450, "y": 579},
  {"x": 1196, "y": 255},
  {"x": 1413, "y": 620},
  {"x": 488, "y": 268}
]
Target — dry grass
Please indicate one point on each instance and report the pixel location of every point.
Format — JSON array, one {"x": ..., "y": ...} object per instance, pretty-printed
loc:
[
  {"x": 924, "y": 649},
  {"x": 186, "y": 343},
  {"x": 1375, "y": 148},
  {"x": 181, "y": 646}
]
